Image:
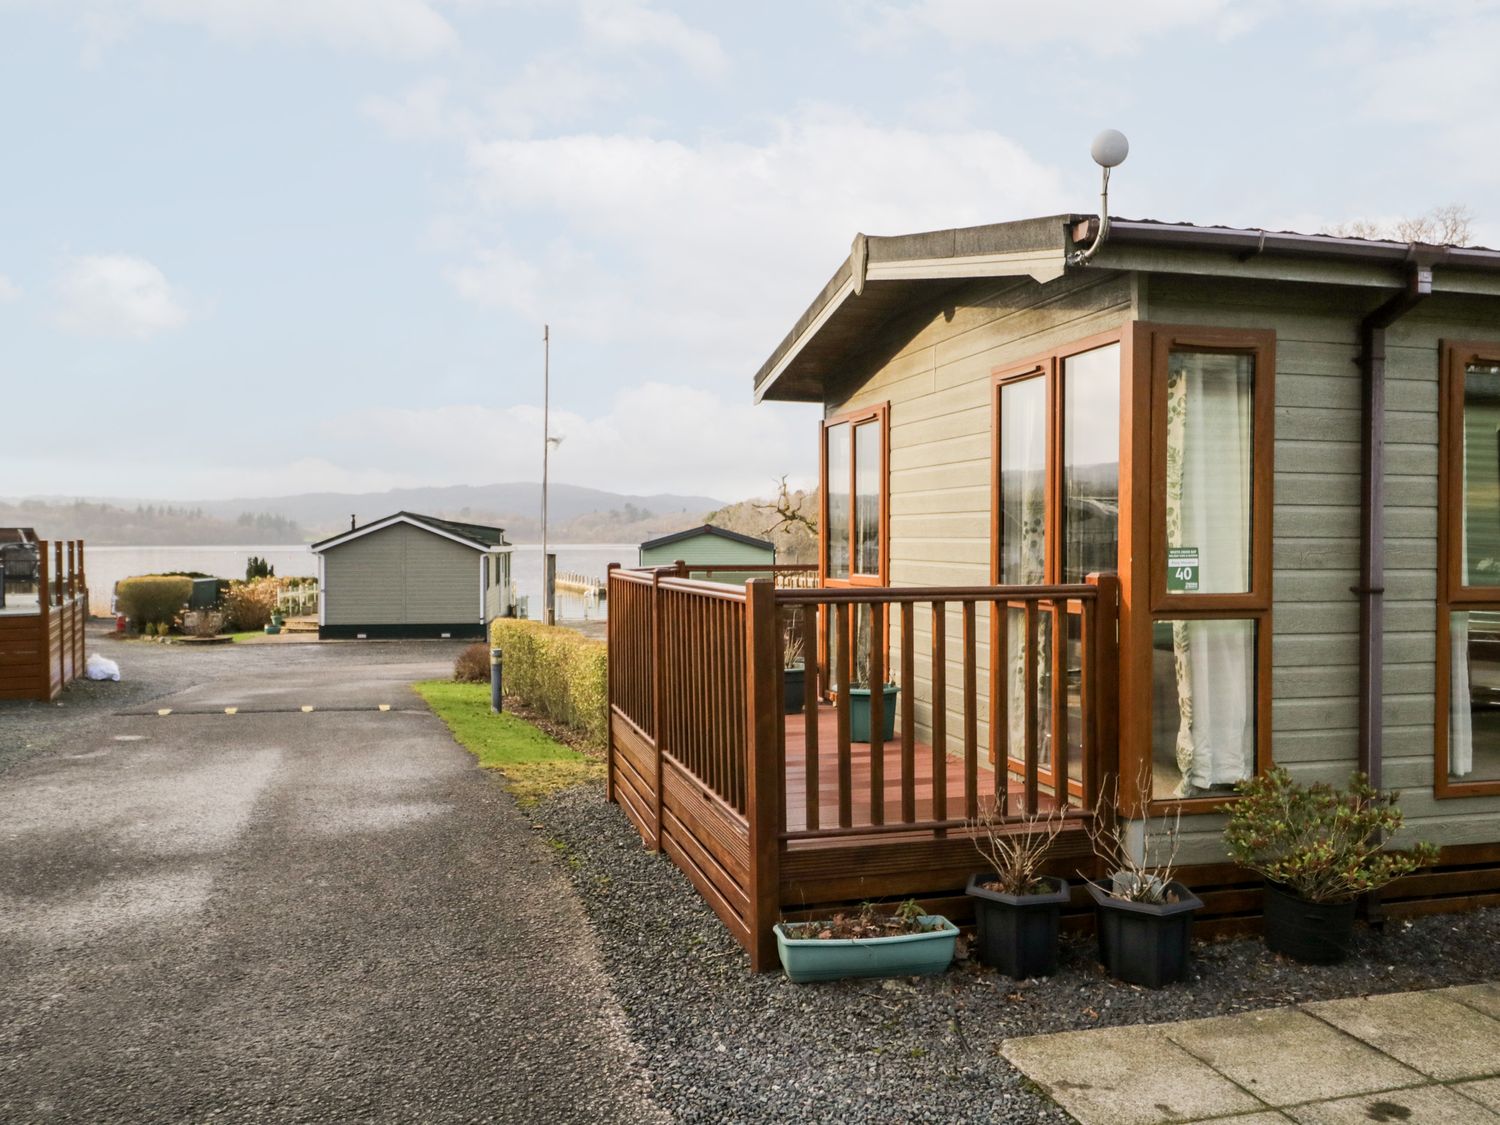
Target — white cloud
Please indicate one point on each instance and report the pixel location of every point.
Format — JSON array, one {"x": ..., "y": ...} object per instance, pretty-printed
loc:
[
  {"x": 704, "y": 253},
  {"x": 649, "y": 434},
  {"x": 631, "y": 25},
  {"x": 405, "y": 28},
  {"x": 117, "y": 295},
  {"x": 9, "y": 290},
  {"x": 1102, "y": 27}
]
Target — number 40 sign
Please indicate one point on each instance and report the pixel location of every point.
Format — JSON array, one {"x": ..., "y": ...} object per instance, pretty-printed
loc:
[{"x": 1182, "y": 570}]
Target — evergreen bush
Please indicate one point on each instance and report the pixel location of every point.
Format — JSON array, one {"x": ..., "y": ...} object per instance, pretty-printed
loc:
[
  {"x": 248, "y": 605},
  {"x": 557, "y": 673},
  {"x": 152, "y": 600}
]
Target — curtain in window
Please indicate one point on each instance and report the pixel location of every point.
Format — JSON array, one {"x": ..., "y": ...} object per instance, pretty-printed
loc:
[
  {"x": 1210, "y": 402},
  {"x": 1460, "y": 704},
  {"x": 1023, "y": 561}
]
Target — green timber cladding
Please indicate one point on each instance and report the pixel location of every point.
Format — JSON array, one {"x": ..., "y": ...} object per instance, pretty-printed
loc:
[
  {"x": 931, "y": 353},
  {"x": 412, "y": 576},
  {"x": 707, "y": 546}
]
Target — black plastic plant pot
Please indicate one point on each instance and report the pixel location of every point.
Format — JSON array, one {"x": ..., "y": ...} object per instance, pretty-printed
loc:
[
  {"x": 1318, "y": 933},
  {"x": 1146, "y": 943},
  {"x": 794, "y": 688},
  {"x": 1017, "y": 934}
]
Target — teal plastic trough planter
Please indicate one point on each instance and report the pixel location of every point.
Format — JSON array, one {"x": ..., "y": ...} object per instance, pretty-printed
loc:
[
  {"x": 859, "y": 713},
  {"x": 904, "y": 955}
]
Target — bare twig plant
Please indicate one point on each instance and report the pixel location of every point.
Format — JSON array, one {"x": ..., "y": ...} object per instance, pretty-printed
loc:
[
  {"x": 1143, "y": 873},
  {"x": 1015, "y": 849}
]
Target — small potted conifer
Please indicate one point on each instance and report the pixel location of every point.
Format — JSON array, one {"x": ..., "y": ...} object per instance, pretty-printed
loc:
[{"x": 1318, "y": 849}]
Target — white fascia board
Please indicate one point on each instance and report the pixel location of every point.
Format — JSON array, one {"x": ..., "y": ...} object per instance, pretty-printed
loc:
[
  {"x": 1043, "y": 267},
  {"x": 391, "y": 521}
]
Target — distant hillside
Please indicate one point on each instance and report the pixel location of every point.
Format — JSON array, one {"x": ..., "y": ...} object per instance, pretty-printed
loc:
[
  {"x": 147, "y": 525},
  {"x": 576, "y": 515},
  {"x": 796, "y": 541}
]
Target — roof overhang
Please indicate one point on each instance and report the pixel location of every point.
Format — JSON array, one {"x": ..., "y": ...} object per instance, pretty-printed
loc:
[
  {"x": 884, "y": 276},
  {"x": 390, "y": 521}
]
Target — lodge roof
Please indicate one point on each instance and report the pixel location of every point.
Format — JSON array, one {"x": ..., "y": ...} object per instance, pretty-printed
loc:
[
  {"x": 883, "y": 275},
  {"x": 707, "y": 529},
  {"x": 480, "y": 536}
]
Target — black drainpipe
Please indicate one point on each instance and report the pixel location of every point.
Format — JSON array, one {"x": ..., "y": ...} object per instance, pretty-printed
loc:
[{"x": 1371, "y": 588}]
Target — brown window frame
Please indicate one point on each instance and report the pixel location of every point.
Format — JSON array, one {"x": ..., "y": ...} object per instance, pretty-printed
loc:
[
  {"x": 880, "y": 414},
  {"x": 1151, "y": 346},
  {"x": 1452, "y": 594},
  {"x": 1047, "y": 366}
]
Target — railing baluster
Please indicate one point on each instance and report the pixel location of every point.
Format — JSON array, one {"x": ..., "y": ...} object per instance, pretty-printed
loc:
[
  {"x": 877, "y": 713},
  {"x": 1029, "y": 781},
  {"x": 842, "y": 632},
  {"x": 908, "y": 718},
  {"x": 1000, "y": 703},
  {"x": 971, "y": 715},
  {"x": 810, "y": 710},
  {"x": 939, "y": 711}
]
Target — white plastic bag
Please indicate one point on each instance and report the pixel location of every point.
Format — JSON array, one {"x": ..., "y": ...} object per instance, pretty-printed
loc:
[{"x": 98, "y": 668}]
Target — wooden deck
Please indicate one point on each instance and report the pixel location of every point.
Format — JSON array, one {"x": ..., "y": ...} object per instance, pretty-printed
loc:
[
  {"x": 42, "y": 649},
  {"x": 860, "y": 760}
]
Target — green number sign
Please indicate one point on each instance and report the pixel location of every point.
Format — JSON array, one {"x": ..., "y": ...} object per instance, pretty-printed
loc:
[{"x": 1182, "y": 570}]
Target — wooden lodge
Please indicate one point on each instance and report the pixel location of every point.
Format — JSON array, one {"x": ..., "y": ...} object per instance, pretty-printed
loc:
[
  {"x": 43, "y": 609},
  {"x": 1120, "y": 531}
]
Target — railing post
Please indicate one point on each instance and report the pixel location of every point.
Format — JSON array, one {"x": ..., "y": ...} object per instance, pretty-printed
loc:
[
  {"x": 658, "y": 721},
  {"x": 1104, "y": 645},
  {"x": 766, "y": 776},
  {"x": 611, "y": 656}
]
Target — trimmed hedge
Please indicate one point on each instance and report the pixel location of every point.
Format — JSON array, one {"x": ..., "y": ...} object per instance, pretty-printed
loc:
[
  {"x": 152, "y": 599},
  {"x": 557, "y": 673}
]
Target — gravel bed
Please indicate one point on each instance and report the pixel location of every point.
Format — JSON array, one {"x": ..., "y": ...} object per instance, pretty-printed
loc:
[{"x": 724, "y": 1045}]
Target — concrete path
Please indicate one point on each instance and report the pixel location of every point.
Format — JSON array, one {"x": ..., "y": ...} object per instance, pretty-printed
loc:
[
  {"x": 289, "y": 915},
  {"x": 1404, "y": 1057}
]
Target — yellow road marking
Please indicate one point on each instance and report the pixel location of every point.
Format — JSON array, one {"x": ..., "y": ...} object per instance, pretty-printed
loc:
[
  {"x": 385, "y": 706},
  {"x": 164, "y": 711},
  {"x": 306, "y": 709},
  {"x": 231, "y": 710}
]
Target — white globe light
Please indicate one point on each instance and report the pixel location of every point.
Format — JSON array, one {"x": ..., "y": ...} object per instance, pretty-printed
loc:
[{"x": 1110, "y": 148}]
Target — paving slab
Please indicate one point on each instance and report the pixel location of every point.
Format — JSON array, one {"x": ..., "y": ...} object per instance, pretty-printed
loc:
[
  {"x": 1486, "y": 1092},
  {"x": 1485, "y": 997},
  {"x": 1284, "y": 1056},
  {"x": 1264, "y": 1117},
  {"x": 1428, "y": 1031},
  {"x": 1418, "y": 1105},
  {"x": 1126, "y": 1076}
]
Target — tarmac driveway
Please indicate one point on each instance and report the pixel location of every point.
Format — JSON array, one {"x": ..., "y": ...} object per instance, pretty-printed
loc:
[{"x": 292, "y": 916}]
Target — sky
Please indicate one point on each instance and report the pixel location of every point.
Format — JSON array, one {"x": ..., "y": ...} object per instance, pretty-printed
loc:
[{"x": 258, "y": 247}]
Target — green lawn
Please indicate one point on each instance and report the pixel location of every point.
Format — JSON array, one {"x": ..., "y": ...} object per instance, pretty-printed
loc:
[{"x": 534, "y": 764}]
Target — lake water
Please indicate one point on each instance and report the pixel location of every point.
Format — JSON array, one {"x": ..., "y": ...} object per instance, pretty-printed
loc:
[{"x": 107, "y": 565}]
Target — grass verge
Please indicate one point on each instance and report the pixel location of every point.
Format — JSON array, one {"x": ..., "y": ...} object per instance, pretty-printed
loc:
[{"x": 534, "y": 764}]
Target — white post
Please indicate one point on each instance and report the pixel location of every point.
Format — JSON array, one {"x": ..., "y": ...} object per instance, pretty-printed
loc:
[{"x": 549, "y": 615}]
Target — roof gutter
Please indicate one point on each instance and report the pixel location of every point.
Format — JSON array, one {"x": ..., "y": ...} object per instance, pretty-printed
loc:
[
  {"x": 1231, "y": 239},
  {"x": 1371, "y": 588}
]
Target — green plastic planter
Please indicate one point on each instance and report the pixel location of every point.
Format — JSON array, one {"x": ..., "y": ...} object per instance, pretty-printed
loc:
[
  {"x": 859, "y": 713},
  {"x": 905, "y": 955}
]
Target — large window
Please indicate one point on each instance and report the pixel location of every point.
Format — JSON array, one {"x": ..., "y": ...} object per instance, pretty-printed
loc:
[
  {"x": 854, "y": 498},
  {"x": 1056, "y": 517},
  {"x": 1468, "y": 626},
  {"x": 1211, "y": 400}
]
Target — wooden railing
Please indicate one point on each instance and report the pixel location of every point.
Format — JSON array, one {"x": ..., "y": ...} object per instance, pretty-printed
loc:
[
  {"x": 42, "y": 649},
  {"x": 700, "y": 754}
]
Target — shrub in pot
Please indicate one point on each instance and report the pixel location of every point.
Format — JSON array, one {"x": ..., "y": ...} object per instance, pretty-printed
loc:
[
  {"x": 1145, "y": 916},
  {"x": 1016, "y": 908},
  {"x": 794, "y": 673},
  {"x": 1319, "y": 849},
  {"x": 867, "y": 944}
]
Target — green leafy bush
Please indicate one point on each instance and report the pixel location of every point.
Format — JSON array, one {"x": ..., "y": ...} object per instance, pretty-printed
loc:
[
  {"x": 472, "y": 665},
  {"x": 1321, "y": 843},
  {"x": 152, "y": 600},
  {"x": 557, "y": 673},
  {"x": 248, "y": 605}
]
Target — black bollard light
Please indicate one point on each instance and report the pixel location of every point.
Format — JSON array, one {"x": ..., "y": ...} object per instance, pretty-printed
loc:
[{"x": 497, "y": 676}]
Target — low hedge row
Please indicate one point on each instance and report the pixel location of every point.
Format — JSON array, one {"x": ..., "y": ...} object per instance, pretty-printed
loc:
[
  {"x": 152, "y": 599},
  {"x": 557, "y": 673}
]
